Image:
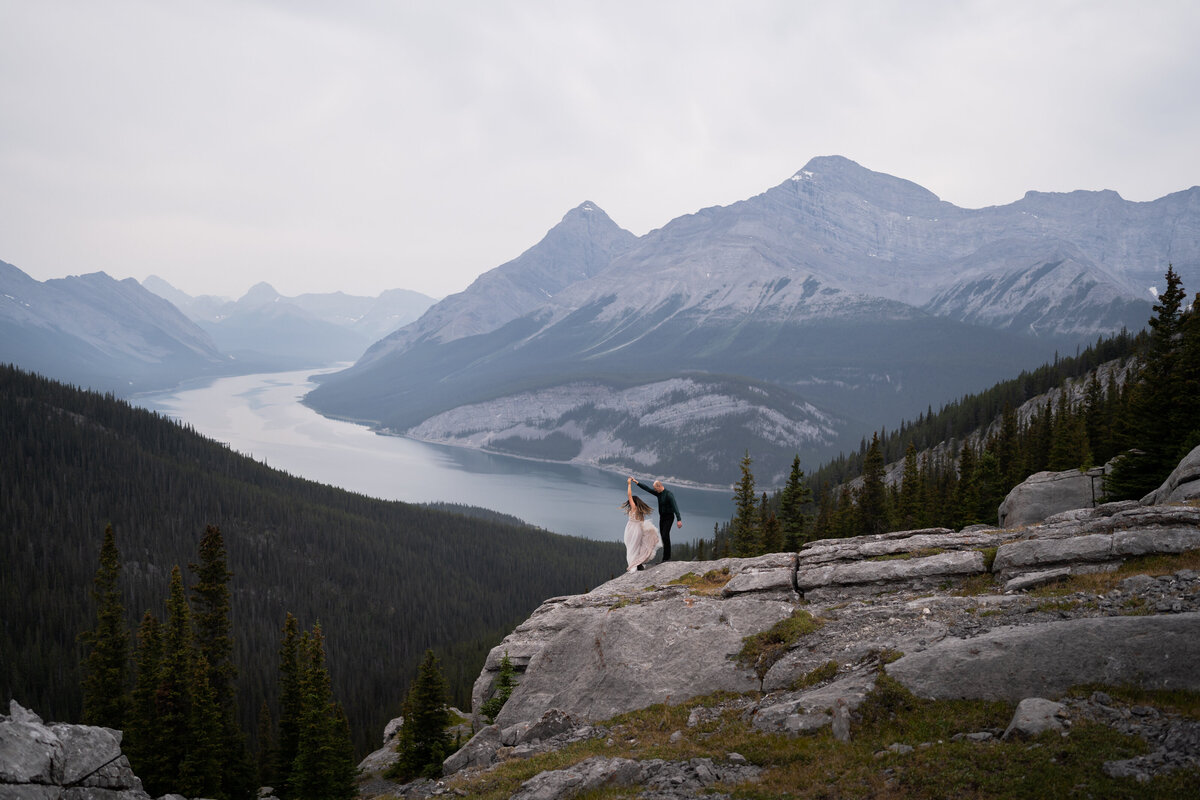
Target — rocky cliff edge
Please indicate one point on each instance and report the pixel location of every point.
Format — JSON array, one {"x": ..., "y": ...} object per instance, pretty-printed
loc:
[{"x": 1107, "y": 595}]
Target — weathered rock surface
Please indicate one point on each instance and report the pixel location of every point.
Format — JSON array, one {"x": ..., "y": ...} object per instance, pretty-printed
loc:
[
  {"x": 75, "y": 762},
  {"x": 1181, "y": 485},
  {"x": 1022, "y": 661},
  {"x": 1036, "y": 715},
  {"x": 635, "y": 641},
  {"x": 1046, "y": 493},
  {"x": 943, "y": 612},
  {"x": 662, "y": 780}
]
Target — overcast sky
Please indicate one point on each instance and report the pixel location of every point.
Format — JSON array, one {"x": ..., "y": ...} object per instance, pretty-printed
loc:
[{"x": 364, "y": 146}]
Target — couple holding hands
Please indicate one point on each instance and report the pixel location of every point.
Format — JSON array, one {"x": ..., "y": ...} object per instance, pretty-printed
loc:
[{"x": 641, "y": 537}]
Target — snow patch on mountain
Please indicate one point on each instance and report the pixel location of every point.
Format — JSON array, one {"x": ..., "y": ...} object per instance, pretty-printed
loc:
[{"x": 622, "y": 427}]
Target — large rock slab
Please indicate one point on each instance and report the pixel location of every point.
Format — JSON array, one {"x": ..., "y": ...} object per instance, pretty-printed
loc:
[
  {"x": 960, "y": 562},
  {"x": 1181, "y": 485},
  {"x": 56, "y": 761},
  {"x": 1153, "y": 652},
  {"x": 1046, "y": 493},
  {"x": 635, "y": 641}
]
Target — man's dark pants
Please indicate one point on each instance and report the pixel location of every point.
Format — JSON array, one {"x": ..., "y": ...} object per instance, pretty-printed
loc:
[{"x": 664, "y": 528}]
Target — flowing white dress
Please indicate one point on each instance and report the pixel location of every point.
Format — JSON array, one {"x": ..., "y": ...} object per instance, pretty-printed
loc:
[{"x": 642, "y": 541}]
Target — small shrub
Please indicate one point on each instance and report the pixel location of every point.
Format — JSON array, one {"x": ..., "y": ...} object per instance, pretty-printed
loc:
[
  {"x": 825, "y": 672},
  {"x": 762, "y": 650},
  {"x": 710, "y": 583}
]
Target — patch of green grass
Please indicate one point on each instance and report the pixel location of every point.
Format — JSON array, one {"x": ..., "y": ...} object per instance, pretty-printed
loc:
[
  {"x": 1104, "y": 582},
  {"x": 625, "y": 600},
  {"x": 709, "y": 583},
  {"x": 820, "y": 767},
  {"x": 983, "y": 583},
  {"x": 989, "y": 557},
  {"x": 1058, "y": 605},
  {"x": 1181, "y": 701},
  {"x": 825, "y": 672},
  {"x": 762, "y": 650}
]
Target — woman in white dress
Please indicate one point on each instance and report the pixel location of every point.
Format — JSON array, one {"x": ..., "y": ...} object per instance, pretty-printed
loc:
[{"x": 642, "y": 539}]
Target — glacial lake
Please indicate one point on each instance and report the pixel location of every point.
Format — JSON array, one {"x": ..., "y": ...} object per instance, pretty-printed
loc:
[{"x": 261, "y": 416}]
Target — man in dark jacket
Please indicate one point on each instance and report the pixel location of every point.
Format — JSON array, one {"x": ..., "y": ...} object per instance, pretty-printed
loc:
[{"x": 668, "y": 510}]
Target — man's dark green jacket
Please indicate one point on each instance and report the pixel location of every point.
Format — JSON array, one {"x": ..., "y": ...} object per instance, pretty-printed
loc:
[{"x": 667, "y": 507}]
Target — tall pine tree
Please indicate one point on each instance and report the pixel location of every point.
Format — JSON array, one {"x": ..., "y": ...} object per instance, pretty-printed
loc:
[
  {"x": 289, "y": 704},
  {"x": 1155, "y": 424},
  {"x": 744, "y": 536},
  {"x": 106, "y": 666},
  {"x": 140, "y": 734},
  {"x": 422, "y": 742},
  {"x": 796, "y": 496},
  {"x": 214, "y": 642},
  {"x": 323, "y": 768},
  {"x": 872, "y": 497}
]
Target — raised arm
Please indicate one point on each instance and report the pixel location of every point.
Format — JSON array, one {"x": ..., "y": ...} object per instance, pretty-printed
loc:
[
  {"x": 629, "y": 491},
  {"x": 647, "y": 489}
]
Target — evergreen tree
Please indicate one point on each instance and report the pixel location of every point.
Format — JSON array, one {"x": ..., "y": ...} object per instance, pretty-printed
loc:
[
  {"x": 266, "y": 746},
  {"x": 744, "y": 536},
  {"x": 106, "y": 666},
  {"x": 1155, "y": 426},
  {"x": 141, "y": 733},
  {"x": 772, "y": 531},
  {"x": 214, "y": 642},
  {"x": 966, "y": 499},
  {"x": 795, "y": 497},
  {"x": 991, "y": 488},
  {"x": 1069, "y": 446},
  {"x": 289, "y": 704},
  {"x": 319, "y": 771},
  {"x": 501, "y": 690},
  {"x": 1189, "y": 379},
  {"x": 422, "y": 742},
  {"x": 1008, "y": 460},
  {"x": 872, "y": 498},
  {"x": 909, "y": 506},
  {"x": 201, "y": 768},
  {"x": 172, "y": 700}
]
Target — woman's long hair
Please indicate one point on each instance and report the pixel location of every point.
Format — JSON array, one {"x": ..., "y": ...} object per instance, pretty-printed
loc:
[{"x": 641, "y": 506}]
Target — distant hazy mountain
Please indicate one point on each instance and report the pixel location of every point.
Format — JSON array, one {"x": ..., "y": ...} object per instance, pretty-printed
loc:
[
  {"x": 265, "y": 330},
  {"x": 99, "y": 332},
  {"x": 851, "y": 291}
]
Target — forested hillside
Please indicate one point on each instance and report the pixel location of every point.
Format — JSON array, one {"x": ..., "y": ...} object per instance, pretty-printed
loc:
[
  {"x": 386, "y": 580},
  {"x": 1137, "y": 397}
]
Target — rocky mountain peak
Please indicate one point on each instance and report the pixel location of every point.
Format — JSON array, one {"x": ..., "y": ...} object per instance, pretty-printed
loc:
[
  {"x": 838, "y": 175},
  {"x": 259, "y": 294}
]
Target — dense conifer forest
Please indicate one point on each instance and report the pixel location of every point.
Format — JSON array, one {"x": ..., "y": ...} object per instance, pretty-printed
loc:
[{"x": 386, "y": 581}]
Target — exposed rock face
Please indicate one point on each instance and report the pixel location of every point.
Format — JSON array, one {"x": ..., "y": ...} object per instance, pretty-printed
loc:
[
  {"x": 635, "y": 641},
  {"x": 47, "y": 762},
  {"x": 1022, "y": 661},
  {"x": 924, "y": 606},
  {"x": 1181, "y": 485},
  {"x": 1044, "y": 494}
]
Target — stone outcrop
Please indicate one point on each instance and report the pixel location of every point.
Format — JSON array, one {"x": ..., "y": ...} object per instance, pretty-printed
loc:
[
  {"x": 1044, "y": 494},
  {"x": 40, "y": 761},
  {"x": 1019, "y": 661},
  {"x": 1181, "y": 485},
  {"x": 637, "y": 640},
  {"x": 945, "y": 613}
]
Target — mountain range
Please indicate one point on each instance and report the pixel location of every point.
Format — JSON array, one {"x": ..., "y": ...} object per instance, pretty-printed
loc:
[
  {"x": 797, "y": 320},
  {"x": 124, "y": 337},
  {"x": 272, "y": 332},
  {"x": 96, "y": 331}
]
